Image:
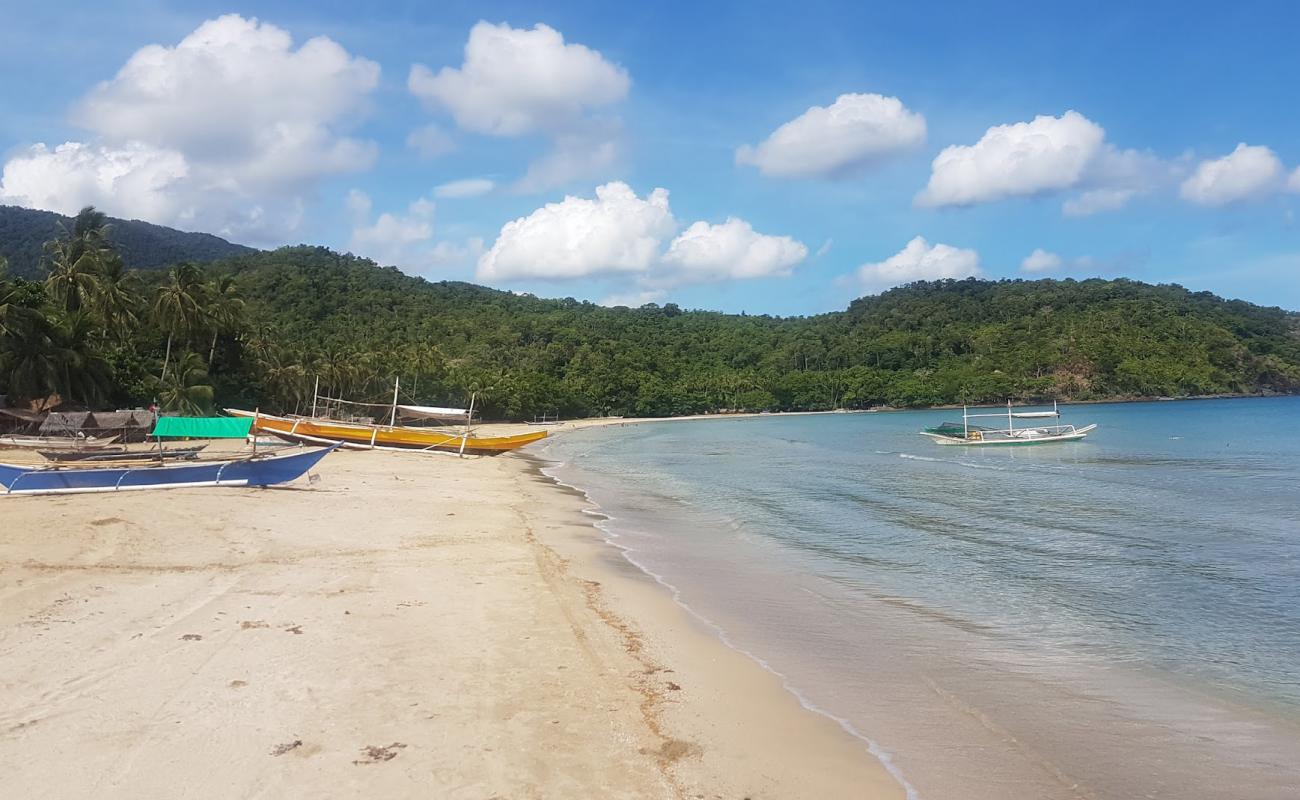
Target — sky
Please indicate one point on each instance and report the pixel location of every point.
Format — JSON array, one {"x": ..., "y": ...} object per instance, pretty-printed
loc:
[{"x": 777, "y": 158}]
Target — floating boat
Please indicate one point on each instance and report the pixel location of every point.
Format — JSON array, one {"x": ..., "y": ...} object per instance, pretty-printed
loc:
[
  {"x": 252, "y": 471},
  {"x": 980, "y": 435},
  {"x": 369, "y": 436},
  {"x": 187, "y": 453},
  {"x": 57, "y": 442}
]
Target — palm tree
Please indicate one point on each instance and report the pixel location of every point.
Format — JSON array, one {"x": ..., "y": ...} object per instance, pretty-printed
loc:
[
  {"x": 116, "y": 299},
  {"x": 188, "y": 391},
  {"x": 178, "y": 307},
  {"x": 225, "y": 310},
  {"x": 74, "y": 260}
]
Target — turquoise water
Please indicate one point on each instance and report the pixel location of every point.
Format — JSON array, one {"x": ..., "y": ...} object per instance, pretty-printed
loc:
[{"x": 1116, "y": 617}]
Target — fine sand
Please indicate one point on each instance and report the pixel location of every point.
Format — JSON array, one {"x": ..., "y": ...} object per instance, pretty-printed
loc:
[{"x": 409, "y": 626}]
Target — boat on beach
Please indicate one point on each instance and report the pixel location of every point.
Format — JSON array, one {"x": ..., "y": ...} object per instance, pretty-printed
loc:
[
  {"x": 57, "y": 442},
  {"x": 80, "y": 476},
  {"x": 370, "y": 436},
  {"x": 187, "y": 453},
  {"x": 966, "y": 433},
  {"x": 364, "y": 433}
]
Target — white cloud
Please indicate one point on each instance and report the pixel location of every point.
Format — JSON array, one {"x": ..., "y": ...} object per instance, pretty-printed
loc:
[
  {"x": 518, "y": 82},
  {"x": 1245, "y": 173},
  {"x": 732, "y": 250},
  {"x": 1026, "y": 158},
  {"x": 1293, "y": 183},
  {"x": 573, "y": 156},
  {"x": 405, "y": 240},
  {"x": 618, "y": 234},
  {"x": 853, "y": 132},
  {"x": 469, "y": 187},
  {"x": 920, "y": 261},
  {"x": 254, "y": 122},
  {"x": 136, "y": 180},
  {"x": 634, "y": 299},
  {"x": 825, "y": 248},
  {"x": 430, "y": 141},
  {"x": 1041, "y": 261},
  {"x": 1097, "y": 200},
  {"x": 577, "y": 237}
]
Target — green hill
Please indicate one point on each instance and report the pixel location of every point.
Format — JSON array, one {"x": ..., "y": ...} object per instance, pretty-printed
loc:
[
  {"x": 143, "y": 245},
  {"x": 928, "y": 343},
  {"x": 259, "y": 329}
]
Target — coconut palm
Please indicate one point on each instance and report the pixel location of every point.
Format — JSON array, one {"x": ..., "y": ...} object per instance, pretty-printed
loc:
[
  {"x": 187, "y": 391},
  {"x": 116, "y": 299},
  {"x": 225, "y": 310},
  {"x": 178, "y": 307},
  {"x": 74, "y": 260}
]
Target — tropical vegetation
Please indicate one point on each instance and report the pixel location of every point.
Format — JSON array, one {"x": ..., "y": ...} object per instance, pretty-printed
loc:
[{"x": 265, "y": 329}]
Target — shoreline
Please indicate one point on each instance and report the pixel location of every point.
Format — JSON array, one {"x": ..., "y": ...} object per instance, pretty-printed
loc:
[
  {"x": 712, "y": 629},
  {"x": 477, "y": 638}
]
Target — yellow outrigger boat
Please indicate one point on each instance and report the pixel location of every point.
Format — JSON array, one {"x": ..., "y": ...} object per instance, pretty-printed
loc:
[{"x": 363, "y": 436}]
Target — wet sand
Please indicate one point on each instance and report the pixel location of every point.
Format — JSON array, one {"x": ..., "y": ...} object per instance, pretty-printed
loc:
[{"x": 408, "y": 626}]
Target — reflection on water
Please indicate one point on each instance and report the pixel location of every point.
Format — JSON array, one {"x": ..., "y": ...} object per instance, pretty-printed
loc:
[{"x": 1121, "y": 613}]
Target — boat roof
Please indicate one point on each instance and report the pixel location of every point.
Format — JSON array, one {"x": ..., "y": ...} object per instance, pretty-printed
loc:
[{"x": 203, "y": 427}]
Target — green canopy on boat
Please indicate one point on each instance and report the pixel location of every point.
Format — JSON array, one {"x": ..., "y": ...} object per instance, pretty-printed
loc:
[{"x": 203, "y": 427}]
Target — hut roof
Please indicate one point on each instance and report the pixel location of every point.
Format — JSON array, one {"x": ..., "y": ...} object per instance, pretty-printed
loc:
[{"x": 64, "y": 422}]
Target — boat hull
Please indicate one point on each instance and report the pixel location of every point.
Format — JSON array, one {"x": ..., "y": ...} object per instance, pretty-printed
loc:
[
  {"x": 265, "y": 471},
  {"x": 378, "y": 437},
  {"x": 1010, "y": 441},
  {"x": 57, "y": 442}
]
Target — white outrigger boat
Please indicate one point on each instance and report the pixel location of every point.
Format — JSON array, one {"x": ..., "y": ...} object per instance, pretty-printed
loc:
[{"x": 968, "y": 434}]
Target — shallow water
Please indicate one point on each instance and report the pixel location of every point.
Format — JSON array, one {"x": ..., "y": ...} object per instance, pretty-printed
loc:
[{"x": 1118, "y": 617}]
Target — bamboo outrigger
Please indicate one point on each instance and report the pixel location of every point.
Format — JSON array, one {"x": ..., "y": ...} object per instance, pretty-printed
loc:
[{"x": 979, "y": 435}]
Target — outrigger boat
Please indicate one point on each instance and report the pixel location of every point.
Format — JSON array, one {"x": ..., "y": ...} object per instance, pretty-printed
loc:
[
  {"x": 57, "y": 442},
  {"x": 254, "y": 470},
  {"x": 968, "y": 434},
  {"x": 365, "y": 434},
  {"x": 159, "y": 454}
]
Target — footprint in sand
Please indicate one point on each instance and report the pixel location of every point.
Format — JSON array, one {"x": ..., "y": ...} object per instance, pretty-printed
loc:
[
  {"x": 376, "y": 755},
  {"x": 191, "y": 637}
]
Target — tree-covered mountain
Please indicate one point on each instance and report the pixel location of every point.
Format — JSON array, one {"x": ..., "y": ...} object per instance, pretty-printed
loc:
[
  {"x": 142, "y": 245},
  {"x": 259, "y": 330}
]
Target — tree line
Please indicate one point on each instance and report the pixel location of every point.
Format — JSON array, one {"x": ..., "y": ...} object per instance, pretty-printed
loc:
[{"x": 264, "y": 329}]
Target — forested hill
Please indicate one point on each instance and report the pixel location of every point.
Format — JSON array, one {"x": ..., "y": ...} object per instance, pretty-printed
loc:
[
  {"x": 928, "y": 343},
  {"x": 258, "y": 330},
  {"x": 142, "y": 245}
]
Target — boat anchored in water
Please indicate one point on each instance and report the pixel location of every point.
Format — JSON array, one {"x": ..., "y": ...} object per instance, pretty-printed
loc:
[{"x": 969, "y": 434}]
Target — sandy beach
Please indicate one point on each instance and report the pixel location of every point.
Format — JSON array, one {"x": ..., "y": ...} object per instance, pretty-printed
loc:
[{"x": 407, "y": 626}]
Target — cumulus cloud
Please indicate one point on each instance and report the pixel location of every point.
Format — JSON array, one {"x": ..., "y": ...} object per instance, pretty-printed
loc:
[
  {"x": 1293, "y": 184},
  {"x": 919, "y": 261},
  {"x": 228, "y": 129},
  {"x": 430, "y": 141},
  {"x": 518, "y": 82},
  {"x": 1027, "y": 158},
  {"x": 1247, "y": 172},
  {"x": 469, "y": 187},
  {"x": 580, "y": 237},
  {"x": 1041, "y": 261},
  {"x": 831, "y": 141},
  {"x": 622, "y": 235},
  {"x": 732, "y": 250},
  {"x": 405, "y": 240},
  {"x": 1048, "y": 155}
]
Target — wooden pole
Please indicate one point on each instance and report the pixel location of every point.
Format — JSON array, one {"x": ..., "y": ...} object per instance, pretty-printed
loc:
[
  {"x": 392, "y": 421},
  {"x": 315, "y": 392},
  {"x": 469, "y": 418}
]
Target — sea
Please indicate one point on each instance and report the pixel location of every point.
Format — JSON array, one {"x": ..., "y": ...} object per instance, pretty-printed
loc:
[{"x": 1112, "y": 618}]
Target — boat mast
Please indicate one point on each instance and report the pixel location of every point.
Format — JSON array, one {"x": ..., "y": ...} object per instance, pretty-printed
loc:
[
  {"x": 469, "y": 417},
  {"x": 1010, "y": 425},
  {"x": 392, "y": 421},
  {"x": 965, "y": 422},
  {"x": 315, "y": 393}
]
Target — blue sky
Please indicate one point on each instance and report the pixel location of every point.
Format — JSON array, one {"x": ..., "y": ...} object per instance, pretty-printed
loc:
[{"x": 267, "y": 141}]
